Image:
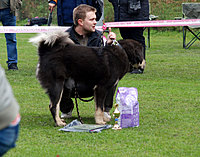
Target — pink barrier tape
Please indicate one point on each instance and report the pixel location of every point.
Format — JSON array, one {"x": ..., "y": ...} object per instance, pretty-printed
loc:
[
  {"x": 30, "y": 29},
  {"x": 34, "y": 29},
  {"x": 156, "y": 23}
]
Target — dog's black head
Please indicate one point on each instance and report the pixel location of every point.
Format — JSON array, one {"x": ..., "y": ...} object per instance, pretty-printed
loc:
[{"x": 134, "y": 51}]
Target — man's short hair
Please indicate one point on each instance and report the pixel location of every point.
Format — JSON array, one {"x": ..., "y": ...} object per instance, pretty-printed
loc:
[{"x": 80, "y": 12}]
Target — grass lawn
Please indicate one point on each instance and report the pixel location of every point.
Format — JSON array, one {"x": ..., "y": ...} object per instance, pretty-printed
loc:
[{"x": 169, "y": 98}]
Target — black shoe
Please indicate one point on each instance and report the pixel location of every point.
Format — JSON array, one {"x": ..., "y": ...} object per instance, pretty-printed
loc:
[
  {"x": 137, "y": 71},
  {"x": 12, "y": 66}
]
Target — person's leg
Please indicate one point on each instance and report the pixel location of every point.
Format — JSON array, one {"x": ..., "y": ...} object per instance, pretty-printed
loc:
[
  {"x": 1, "y": 15},
  {"x": 66, "y": 104},
  {"x": 8, "y": 137},
  {"x": 9, "y": 20}
]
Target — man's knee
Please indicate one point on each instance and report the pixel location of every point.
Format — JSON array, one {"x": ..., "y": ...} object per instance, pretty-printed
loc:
[{"x": 66, "y": 105}]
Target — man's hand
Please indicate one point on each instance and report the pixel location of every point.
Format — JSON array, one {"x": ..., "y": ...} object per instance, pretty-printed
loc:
[
  {"x": 51, "y": 6},
  {"x": 111, "y": 37}
]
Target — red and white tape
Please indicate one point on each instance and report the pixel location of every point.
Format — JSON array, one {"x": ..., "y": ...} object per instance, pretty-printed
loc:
[
  {"x": 34, "y": 29},
  {"x": 29, "y": 29},
  {"x": 156, "y": 23}
]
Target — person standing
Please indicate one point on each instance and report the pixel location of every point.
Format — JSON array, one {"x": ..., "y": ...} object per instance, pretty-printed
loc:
[
  {"x": 8, "y": 10},
  {"x": 9, "y": 115},
  {"x": 65, "y": 10},
  {"x": 132, "y": 10}
]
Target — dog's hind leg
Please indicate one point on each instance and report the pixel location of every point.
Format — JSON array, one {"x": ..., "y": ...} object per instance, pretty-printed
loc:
[
  {"x": 100, "y": 95},
  {"x": 109, "y": 103},
  {"x": 55, "y": 97}
]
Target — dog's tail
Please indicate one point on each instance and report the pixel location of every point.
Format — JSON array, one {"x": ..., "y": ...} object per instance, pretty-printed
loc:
[{"x": 50, "y": 38}]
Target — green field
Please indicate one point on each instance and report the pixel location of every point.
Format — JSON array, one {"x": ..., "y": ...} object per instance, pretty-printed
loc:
[{"x": 169, "y": 98}]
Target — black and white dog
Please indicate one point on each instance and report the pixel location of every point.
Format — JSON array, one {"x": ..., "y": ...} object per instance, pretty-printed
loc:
[{"x": 62, "y": 64}]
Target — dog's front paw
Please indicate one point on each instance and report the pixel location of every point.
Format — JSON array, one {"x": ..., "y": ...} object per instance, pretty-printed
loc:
[
  {"x": 99, "y": 117},
  {"x": 61, "y": 122},
  {"x": 106, "y": 117},
  {"x": 100, "y": 122}
]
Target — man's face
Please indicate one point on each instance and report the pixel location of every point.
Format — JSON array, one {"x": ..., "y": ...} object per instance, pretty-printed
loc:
[{"x": 89, "y": 22}]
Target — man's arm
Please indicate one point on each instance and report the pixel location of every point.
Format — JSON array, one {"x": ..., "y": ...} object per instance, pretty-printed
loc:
[
  {"x": 111, "y": 36},
  {"x": 52, "y": 4}
]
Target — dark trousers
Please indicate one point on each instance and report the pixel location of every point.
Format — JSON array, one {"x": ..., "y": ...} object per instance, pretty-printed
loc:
[
  {"x": 135, "y": 33},
  {"x": 84, "y": 91},
  {"x": 8, "y": 19}
]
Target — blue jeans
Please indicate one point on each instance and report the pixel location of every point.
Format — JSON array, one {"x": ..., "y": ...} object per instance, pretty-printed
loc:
[
  {"x": 8, "y": 19},
  {"x": 8, "y": 137}
]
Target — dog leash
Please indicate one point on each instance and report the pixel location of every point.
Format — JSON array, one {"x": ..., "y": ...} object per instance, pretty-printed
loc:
[
  {"x": 77, "y": 96},
  {"x": 79, "y": 117}
]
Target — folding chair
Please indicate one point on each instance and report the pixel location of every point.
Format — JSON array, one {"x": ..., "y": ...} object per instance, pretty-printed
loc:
[
  {"x": 151, "y": 18},
  {"x": 191, "y": 11}
]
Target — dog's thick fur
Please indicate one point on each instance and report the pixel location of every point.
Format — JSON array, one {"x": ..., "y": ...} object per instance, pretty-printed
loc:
[{"x": 62, "y": 63}]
